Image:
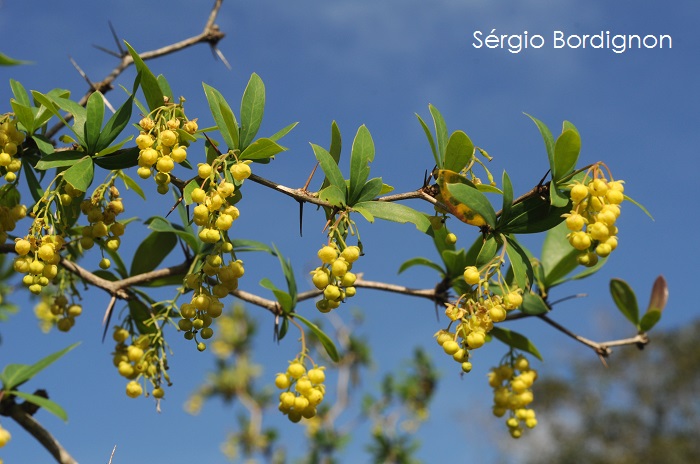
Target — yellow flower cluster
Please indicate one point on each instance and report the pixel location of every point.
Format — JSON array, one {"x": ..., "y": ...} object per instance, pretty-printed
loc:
[
  {"x": 139, "y": 360},
  {"x": 334, "y": 276},
  {"x": 596, "y": 207},
  {"x": 308, "y": 390},
  {"x": 38, "y": 258},
  {"x": 57, "y": 311},
  {"x": 10, "y": 141},
  {"x": 101, "y": 211},
  {"x": 512, "y": 382}
]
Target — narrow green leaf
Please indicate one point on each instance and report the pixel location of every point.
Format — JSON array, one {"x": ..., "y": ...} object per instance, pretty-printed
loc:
[
  {"x": 141, "y": 314},
  {"x": 32, "y": 182},
  {"x": 59, "y": 159},
  {"x": 488, "y": 250},
  {"x": 282, "y": 132},
  {"x": 520, "y": 263},
  {"x": 516, "y": 340},
  {"x": 649, "y": 320},
  {"x": 474, "y": 200},
  {"x": 330, "y": 169},
  {"x": 120, "y": 159},
  {"x": 52, "y": 107},
  {"x": 45, "y": 403},
  {"x": 160, "y": 224},
  {"x": 459, "y": 151},
  {"x": 261, "y": 149},
  {"x": 20, "y": 93},
  {"x": 533, "y": 304},
  {"x": 429, "y": 135},
  {"x": 361, "y": 156},
  {"x": 396, "y": 212},
  {"x": 115, "y": 125},
  {"x": 421, "y": 262},
  {"x": 7, "y": 61},
  {"x": 288, "y": 272},
  {"x": 95, "y": 113},
  {"x": 534, "y": 215},
  {"x": 131, "y": 184},
  {"x": 16, "y": 374},
  {"x": 252, "y": 109},
  {"x": 152, "y": 251},
  {"x": 223, "y": 116},
  {"x": 165, "y": 86},
  {"x": 625, "y": 300},
  {"x": 507, "y": 199},
  {"x": 241, "y": 245},
  {"x": 440, "y": 133},
  {"x": 80, "y": 174},
  {"x": 24, "y": 115},
  {"x": 149, "y": 83},
  {"x": 322, "y": 337},
  {"x": 334, "y": 150},
  {"x": 640, "y": 206},
  {"x": 566, "y": 151},
  {"x": 79, "y": 116},
  {"x": 283, "y": 298},
  {"x": 332, "y": 195},
  {"x": 547, "y": 137},
  {"x": 371, "y": 190}
]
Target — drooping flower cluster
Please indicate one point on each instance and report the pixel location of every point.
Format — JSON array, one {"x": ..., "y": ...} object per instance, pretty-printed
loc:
[
  {"x": 334, "y": 276},
  {"x": 101, "y": 211},
  {"x": 512, "y": 382},
  {"x": 10, "y": 140},
  {"x": 163, "y": 141},
  {"x": 474, "y": 315},
  {"x": 596, "y": 207},
  {"x": 144, "y": 358},
  {"x": 302, "y": 391},
  {"x": 57, "y": 311}
]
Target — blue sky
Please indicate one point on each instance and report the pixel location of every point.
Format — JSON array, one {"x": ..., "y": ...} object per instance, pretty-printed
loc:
[{"x": 378, "y": 63}]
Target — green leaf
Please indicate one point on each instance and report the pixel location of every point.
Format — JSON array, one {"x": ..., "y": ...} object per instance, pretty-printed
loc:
[
  {"x": 223, "y": 116},
  {"x": 32, "y": 182},
  {"x": 120, "y": 159},
  {"x": 488, "y": 250},
  {"x": 283, "y": 298},
  {"x": 474, "y": 201},
  {"x": 515, "y": 340},
  {"x": 141, "y": 315},
  {"x": 44, "y": 403},
  {"x": 95, "y": 113},
  {"x": 252, "y": 109},
  {"x": 20, "y": 93},
  {"x": 152, "y": 251},
  {"x": 160, "y": 224},
  {"x": 16, "y": 374},
  {"x": 330, "y": 169},
  {"x": 507, "y": 199},
  {"x": 556, "y": 197},
  {"x": 395, "y": 212},
  {"x": 421, "y": 262},
  {"x": 559, "y": 258},
  {"x": 566, "y": 152},
  {"x": 24, "y": 115},
  {"x": 282, "y": 132},
  {"x": 429, "y": 135},
  {"x": 80, "y": 174},
  {"x": 657, "y": 303},
  {"x": 361, "y": 156},
  {"x": 7, "y": 61},
  {"x": 131, "y": 184},
  {"x": 52, "y": 107},
  {"x": 241, "y": 245},
  {"x": 520, "y": 263},
  {"x": 640, "y": 206},
  {"x": 625, "y": 300},
  {"x": 371, "y": 190},
  {"x": 322, "y": 337},
  {"x": 459, "y": 151},
  {"x": 261, "y": 149},
  {"x": 533, "y": 304},
  {"x": 534, "y": 215},
  {"x": 332, "y": 195},
  {"x": 440, "y": 133},
  {"x": 548, "y": 139},
  {"x": 59, "y": 159},
  {"x": 115, "y": 125},
  {"x": 165, "y": 86},
  {"x": 288, "y": 272},
  {"x": 148, "y": 81}
]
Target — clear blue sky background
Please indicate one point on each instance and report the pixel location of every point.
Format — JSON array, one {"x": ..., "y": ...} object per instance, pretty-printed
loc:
[{"x": 378, "y": 63}]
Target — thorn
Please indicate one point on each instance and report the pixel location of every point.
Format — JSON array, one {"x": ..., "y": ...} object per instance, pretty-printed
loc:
[
  {"x": 301, "y": 218},
  {"x": 221, "y": 56},
  {"x": 106, "y": 50},
  {"x": 122, "y": 52},
  {"x": 82, "y": 73},
  {"x": 108, "y": 316},
  {"x": 308, "y": 181}
]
